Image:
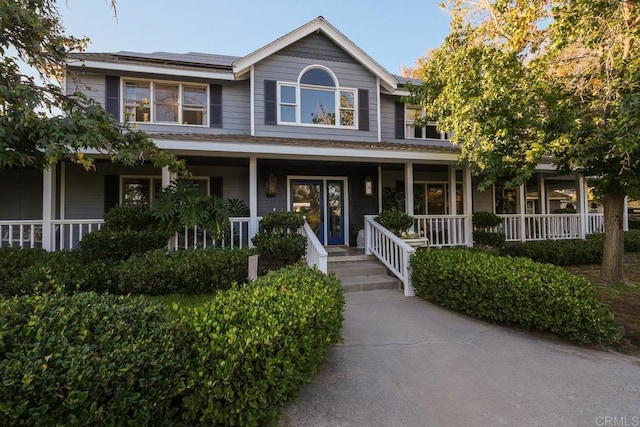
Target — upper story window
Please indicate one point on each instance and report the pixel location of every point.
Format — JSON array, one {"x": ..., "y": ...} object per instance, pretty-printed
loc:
[
  {"x": 316, "y": 100},
  {"x": 148, "y": 101},
  {"x": 413, "y": 113}
]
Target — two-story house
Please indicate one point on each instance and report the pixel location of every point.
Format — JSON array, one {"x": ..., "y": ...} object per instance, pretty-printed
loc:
[{"x": 308, "y": 122}]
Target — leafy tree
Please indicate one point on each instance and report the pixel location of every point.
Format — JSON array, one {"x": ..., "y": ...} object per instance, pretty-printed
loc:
[
  {"x": 39, "y": 124},
  {"x": 531, "y": 81}
]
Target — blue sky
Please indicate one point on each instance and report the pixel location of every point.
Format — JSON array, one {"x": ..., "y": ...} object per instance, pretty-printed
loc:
[{"x": 394, "y": 34}]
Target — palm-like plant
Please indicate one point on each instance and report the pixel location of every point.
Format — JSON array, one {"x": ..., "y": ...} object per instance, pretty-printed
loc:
[{"x": 183, "y": 204}]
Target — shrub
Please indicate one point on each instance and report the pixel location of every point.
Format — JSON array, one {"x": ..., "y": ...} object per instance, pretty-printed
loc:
[
  {"x": 632, "y": 241},
  {"x": 282, "y": 222},
  {"x": 286, "y": 249},
  {"x": 13, "y": 261},
  {"x": 90, "y": 359},
  {"x": 185, "y": 271},
  {"x": 483, "y": 234},
  {"x": 558, "y": 252},
  {"x": 634, "y": 223},
  {"x": 110, "y": 245},
  {"x": 485, "y": 220},
  {"x": 514, "y": 290},
  {"x": 87, "y": 359},
  {"x": 278, "y": 242},
  {"x": 50, "y": 270},
  {"x": 395, "y": 220},
  {"x": 253, "y": 348},
  {"x": 488, "y": 238},
  {"x": 130, "y": 216}
]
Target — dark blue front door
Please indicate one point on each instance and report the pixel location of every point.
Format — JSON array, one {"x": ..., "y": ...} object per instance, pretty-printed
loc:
[{"x": 322, "y": 203}]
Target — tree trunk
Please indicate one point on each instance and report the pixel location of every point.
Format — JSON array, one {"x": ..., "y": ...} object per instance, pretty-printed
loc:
[{"x": 613, "y": 253}]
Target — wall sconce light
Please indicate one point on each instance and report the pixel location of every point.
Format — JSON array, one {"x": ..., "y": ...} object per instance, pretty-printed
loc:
[
  {"x": 272, "y": 185},
  {"x": 368, "y": 186}
]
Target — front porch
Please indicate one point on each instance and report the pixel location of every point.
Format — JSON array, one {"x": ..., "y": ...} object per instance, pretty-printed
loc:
[{"x": 54, "y": 209}]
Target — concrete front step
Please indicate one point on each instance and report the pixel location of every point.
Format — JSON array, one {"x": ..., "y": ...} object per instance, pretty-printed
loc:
[
  {"x": 363, "y": 275},
  {"x": 360, "y": 268},
  {"x": 369, "y": 283}
]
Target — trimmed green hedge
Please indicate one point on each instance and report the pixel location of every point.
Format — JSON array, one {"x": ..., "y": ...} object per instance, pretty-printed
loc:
[
  {"x": 571, "y": 251},
  {"x": 90, "y": 359},
  {"x": 110, "y": 245},
  {"x": 253, "y": 348},
  {"x": 514, "y": 290},
  {"x": 558, "y": 252},
  {"x": 186, "y": 271},
  {"x": 86, "y": 359}
]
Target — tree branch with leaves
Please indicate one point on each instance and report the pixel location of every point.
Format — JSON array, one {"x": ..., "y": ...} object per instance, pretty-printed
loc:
[
  {"x": 527, "y": 81},
  {"x": 39, "y": 123}
]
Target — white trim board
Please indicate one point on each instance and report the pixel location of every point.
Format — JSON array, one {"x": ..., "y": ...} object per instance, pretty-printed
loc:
[{"x": 242, "y": 66}]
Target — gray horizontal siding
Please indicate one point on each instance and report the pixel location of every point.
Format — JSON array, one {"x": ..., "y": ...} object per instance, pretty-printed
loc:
[
  {"x": 84, "y": 191},
  {"x": 287, "y": 68},
  {"x": 388, "y": 117},
  {"x": 20, "y": 194},
  {"x": 482, "y": 200},
  {"x": 91, "y": 85},
  {"x": 317, "y": 46}
]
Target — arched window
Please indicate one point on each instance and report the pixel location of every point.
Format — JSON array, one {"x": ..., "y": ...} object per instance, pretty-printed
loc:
[{"x": 317, "y": 100}]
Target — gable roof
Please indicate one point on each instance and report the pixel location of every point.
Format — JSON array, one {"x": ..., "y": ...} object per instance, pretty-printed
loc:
[{"x": 243, "y": 65}]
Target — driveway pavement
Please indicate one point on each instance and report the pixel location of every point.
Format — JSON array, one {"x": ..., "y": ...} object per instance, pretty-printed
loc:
[{"x": 406, "y": 362}]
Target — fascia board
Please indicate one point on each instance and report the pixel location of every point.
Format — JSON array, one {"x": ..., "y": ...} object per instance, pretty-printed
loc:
[{"x": 149, "y": 69}]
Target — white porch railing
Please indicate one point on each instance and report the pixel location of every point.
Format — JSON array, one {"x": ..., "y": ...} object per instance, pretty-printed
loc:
[
  {"x": 67, "y": 233},
  {"x": 441, "y": 230},
  {"x": 196, "y": 237},
  {"x": 316, "y": 255},
  {"x": 548, "y": 226},
  {"x": 595, "y": 223},
  {"x": 390, "y": 249},
  {"x": 22, "y": 234}
]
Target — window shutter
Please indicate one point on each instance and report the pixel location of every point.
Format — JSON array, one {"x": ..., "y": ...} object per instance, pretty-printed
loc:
[
  {"x": 399, "y": 120},
  {"x": 111, "y": 191},
  {"x": 270, "y": 102},
  {"x": 363, "y": 109},
  {"x": 112, "y": 96},
  {"x": 215, "y": 110}
]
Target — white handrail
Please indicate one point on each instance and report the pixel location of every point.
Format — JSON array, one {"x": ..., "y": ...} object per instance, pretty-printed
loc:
[
  {"x": 390, "y": 249},
  {"x": 316, "y": 254}
]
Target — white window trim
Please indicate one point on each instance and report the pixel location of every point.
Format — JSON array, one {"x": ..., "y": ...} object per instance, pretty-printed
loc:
[
  {"x": 152, "y": 189},
  {"x": 152, "y": 118},
  {"x": 336, "y": 89},
  {"x": 409, "y": 124}
]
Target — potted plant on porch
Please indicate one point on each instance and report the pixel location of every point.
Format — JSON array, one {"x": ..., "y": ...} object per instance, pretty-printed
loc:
[{"x": 399, "y": 223}]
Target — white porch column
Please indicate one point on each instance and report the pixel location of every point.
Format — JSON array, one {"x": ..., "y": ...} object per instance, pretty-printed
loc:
[
  {"x": 253, "y": 198},
  {"x": 408, "y": 188},
  {"x": 523, "y": 212},
  {"x": 452, "y": 190},
  {"x": 542, "y": 194},
  {"x": 48, "y": 206},
  {"x": 582, "y": 204},
  {"x": 63, "y": 189},
  {"x": 625, "y": 215},
  {"x": 167, "y": 176},
  {"x": 467, "y": 204}
]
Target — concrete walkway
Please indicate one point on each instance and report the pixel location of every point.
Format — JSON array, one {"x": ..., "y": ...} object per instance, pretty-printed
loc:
[{"x": 406, "y": 362}]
